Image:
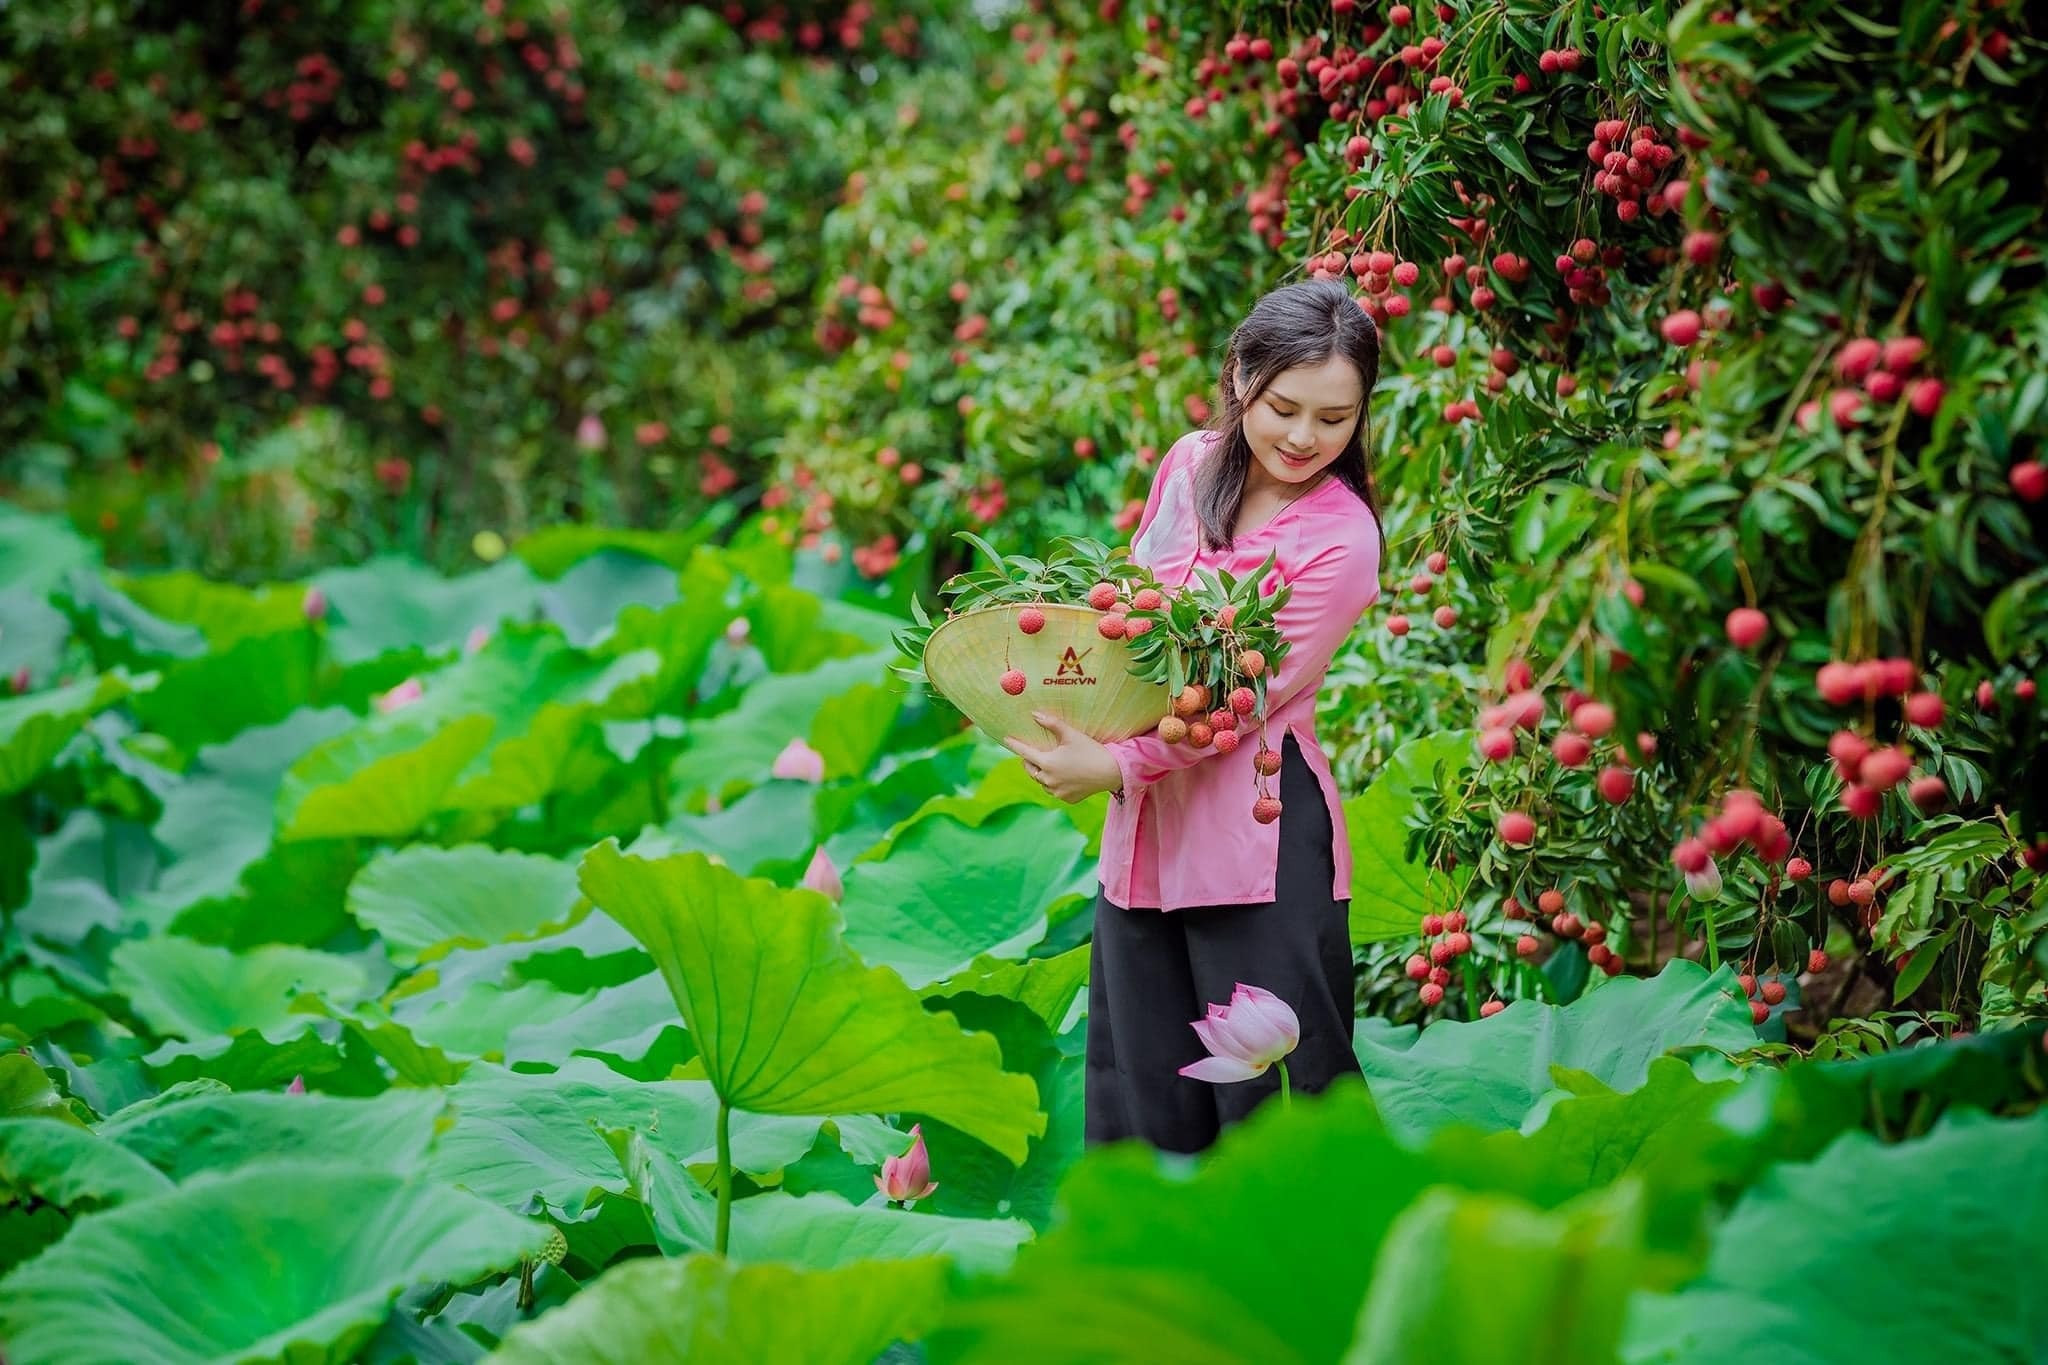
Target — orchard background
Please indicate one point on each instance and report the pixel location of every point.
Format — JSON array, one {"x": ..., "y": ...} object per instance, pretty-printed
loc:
[{"x": 442, "y": 438}]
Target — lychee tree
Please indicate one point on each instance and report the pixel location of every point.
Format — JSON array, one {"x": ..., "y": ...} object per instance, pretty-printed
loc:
[
  {"x": 1718, "y": 369},
  {"x": 383, "y": 275}
]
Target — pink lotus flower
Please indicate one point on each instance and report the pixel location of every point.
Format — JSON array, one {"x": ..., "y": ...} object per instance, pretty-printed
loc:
[
  {"x": 405, "y": 694},
  {"x": 800, "y": 761},
  {"x": 315, "y": 605},
  {"x": 1254, "y": 1031},
  {"x": 297, "y": 1087},
  {"x": 821, "y": 875},
  {"x": 908, "y": 1176},
  {"x": 590, "y": 432},
  {"x": 478, "y": 637}
]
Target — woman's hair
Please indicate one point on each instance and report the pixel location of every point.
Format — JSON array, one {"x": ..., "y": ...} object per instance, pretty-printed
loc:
[{"x": 1294, "y": 325}]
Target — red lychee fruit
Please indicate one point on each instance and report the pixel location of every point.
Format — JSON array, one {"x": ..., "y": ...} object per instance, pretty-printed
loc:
[
  {"x": 1031, "y": 620},
  {"x": 1746, "y": 626},
  {"x": 1681, "y": 328},
  {"x": 1266, "y": 809},
  {"x": 1013, "y": 682},
  {"x": 1593, "y": 719}
]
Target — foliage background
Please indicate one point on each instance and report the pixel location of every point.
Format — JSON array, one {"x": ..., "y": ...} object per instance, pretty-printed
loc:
[{"x": 616, "y": 374}]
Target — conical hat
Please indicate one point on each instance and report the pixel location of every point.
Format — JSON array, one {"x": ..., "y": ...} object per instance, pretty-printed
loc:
[{"x": 1069, "y": 670}]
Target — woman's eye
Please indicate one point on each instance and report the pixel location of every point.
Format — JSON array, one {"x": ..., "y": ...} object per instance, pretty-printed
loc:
[{"x": 1327, "y": 421}]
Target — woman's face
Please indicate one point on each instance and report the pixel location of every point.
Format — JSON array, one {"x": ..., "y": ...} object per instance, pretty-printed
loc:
[{"x": 1308, "y": 412}]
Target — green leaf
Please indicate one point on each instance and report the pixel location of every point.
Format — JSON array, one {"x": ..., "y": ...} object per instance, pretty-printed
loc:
[
  {"x": 392, "y": 604},
  {"x": 391, "y": 1131},
  {"x": 256, "y": 681},
  {"x": 34, "y": 728},
  {"x": 37, "y": 553},
  {"x": 1572, "y": 1265},
  {"x": 286, "y": 1260},
  {"x": 379, "y": 780},
  {"x": 977, "y": 1182},
  {"x": 554, "y": 550},
  {"x": 70, "y": 1167},
  {"x": 220, "y": 819},
  {"x": 786, "y": 1018},
  {"x": 32, "y": 634},
  {"x": 587, "y": 599},
  {"x": 193, "y": 990},
  {"x": 1389, "y": 894},
  {"x": 948, "y": 893},
  {"x": 1047, "y": 986},
  {"x": 705, "y": 1308},
  {"x": 422, "y": 900},
  {"x": 26, "y": 1092},
  {"x": 1151, "y": 1261},
  {"x": 224, "y": 613},
  {"x": 1511, "y": 155},
  {"x": 1491, "y": 1073},
  {"x": 520, "y": 1137},
  {"x": 771, "y": 823},
  {"x": 741, "y": 744},
  {"x": 1934, "y": 1229},
  {"x": 850, "y": 728},
  {"x": 823, "y": 1230},
  {"x": 121, "y": 629}
]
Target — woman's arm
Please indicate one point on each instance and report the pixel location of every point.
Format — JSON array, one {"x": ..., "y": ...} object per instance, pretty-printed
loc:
[
  {"x": 1160, "y": 476},
  {"x": 1330, "y": 593}
]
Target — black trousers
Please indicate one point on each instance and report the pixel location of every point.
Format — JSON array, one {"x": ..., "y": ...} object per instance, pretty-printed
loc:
[{"x": 1152, "y": 974}]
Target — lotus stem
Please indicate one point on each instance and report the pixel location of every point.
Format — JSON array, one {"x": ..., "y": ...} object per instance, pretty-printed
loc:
[{"x": 724, "y": 1175}]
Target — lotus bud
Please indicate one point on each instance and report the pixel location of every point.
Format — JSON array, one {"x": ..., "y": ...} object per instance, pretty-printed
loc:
[
  {"x": 908, "y": 1176},
  {"x": 799, "y": 761}
]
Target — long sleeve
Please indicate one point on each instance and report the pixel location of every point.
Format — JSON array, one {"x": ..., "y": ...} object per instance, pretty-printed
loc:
[
  {"x": 1330, "y": 593},
  {"x": 1160, "y": 475}
]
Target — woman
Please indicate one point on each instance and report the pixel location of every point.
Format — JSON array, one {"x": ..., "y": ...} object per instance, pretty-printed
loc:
[{"x": 1196, "y": 895}]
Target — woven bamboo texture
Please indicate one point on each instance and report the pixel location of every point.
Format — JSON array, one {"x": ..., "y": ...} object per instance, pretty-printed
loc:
[{"x": 1069, "y": 670}]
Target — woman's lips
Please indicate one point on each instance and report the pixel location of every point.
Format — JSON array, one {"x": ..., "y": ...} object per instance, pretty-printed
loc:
[{"x": 1293, "y": 458}]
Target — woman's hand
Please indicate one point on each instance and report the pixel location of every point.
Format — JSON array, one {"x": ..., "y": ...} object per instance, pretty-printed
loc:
[{"x": 1076, "y": 766}]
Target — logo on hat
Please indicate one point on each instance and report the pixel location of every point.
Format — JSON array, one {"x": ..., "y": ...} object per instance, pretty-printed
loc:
[{"x": 1070, "y": 672}]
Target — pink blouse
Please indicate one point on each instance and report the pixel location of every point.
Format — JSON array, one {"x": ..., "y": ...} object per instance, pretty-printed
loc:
[{"x": 1184, "y": 835}]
